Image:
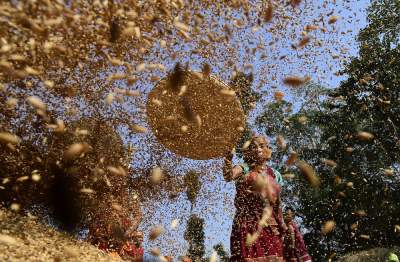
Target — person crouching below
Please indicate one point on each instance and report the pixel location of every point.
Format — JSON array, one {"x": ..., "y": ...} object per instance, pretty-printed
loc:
[
  {"x": 295, "y": 249},
  {"x": 132, "y": 249}
]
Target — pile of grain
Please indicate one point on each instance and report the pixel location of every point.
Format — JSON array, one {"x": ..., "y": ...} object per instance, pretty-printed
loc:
[
  {"x": 371, "y": 255},
  {"x": 24, "y": 238}
]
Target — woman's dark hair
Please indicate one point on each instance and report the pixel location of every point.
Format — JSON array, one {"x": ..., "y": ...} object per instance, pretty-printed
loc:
[{"x": 289, "y": 208}]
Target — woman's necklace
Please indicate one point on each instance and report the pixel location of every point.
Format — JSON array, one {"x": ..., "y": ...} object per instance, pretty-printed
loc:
[{"x": 260, "y": 169}]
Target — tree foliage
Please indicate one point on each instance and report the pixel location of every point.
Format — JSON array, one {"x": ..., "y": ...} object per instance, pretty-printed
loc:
[
  {"x": 194, "y": 235},
  {"x": 356, "y": 128},
  {"x": 193, "y": 185},
  {"x": 242, "y": 84},
  {"x": 222, "y": 254}
]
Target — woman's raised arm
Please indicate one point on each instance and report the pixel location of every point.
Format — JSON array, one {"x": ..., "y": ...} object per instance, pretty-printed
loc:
[{"x": 231, "y": 173}]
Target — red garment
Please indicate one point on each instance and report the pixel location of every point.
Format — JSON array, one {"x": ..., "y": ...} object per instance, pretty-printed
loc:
[
  {"x": 131, "y": 252},
  {"x": 101, "y": 233},
  {"x": 249, "y": 209},
  {"x": 295, "y": 248}
]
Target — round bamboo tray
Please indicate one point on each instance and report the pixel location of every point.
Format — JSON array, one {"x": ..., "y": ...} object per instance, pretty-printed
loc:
[{"x": 201, "y": 119}]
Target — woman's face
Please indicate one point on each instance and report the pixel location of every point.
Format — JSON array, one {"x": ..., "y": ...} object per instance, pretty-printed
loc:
[
  {"x": 288, "y": 216},
  {"x": 260, "y": 149}
]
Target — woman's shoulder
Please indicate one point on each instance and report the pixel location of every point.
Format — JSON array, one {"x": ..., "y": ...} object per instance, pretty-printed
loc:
[
  {"x": 246, "y": 173},
  {"x": 277, "y": 175},
  {"x": 245, "y": 168}
]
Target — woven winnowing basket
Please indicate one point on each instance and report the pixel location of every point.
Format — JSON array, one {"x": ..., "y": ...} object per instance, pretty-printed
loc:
[{"x": 202, "y": 122}]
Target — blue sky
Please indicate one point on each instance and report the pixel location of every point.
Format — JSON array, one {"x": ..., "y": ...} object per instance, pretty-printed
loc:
[{"x": 215, "y": 200}]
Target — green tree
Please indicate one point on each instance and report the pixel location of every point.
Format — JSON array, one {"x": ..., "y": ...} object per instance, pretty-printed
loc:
[
  {"x": 356, "y": 128},
  {"x": 194, "y": 234},
  {"x": 368, "y": 101},
  {"x": 222, "y": 254},
  {"x": 193, "y": 186},
  {"x": 242, "y": 84},
  {"x": 361, "y": 192}
]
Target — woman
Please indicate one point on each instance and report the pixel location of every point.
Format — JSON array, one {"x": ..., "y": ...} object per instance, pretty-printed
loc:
[
  {"x": 132, "y": 249},
  {"x": 258, "y": 225},
  {"x": 295, "y": 248}
]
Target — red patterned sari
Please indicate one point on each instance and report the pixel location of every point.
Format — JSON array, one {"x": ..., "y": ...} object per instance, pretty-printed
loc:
[{"x": 249, "y": 209}]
